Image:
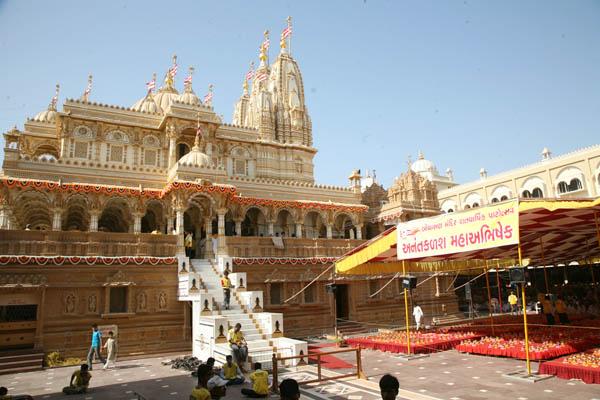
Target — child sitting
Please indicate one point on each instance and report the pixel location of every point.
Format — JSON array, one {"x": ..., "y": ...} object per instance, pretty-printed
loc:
[
  {"x": 260, "y": 383},
  {"x": 200, "y": 392}
]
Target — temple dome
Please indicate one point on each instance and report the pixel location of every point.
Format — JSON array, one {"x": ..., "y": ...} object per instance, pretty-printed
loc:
[
  {"x": 423, "y": 166},
  {"x": 166, "y": 96},
  {"x": 147, "y": 104},
  {"x": 48, "y": 115},
  {"x": 196, "y": 158},
  {"x": 188, "y": 97}
]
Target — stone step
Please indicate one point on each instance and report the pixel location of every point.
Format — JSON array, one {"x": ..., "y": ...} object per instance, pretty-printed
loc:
[{"x": 21, "y": 361}]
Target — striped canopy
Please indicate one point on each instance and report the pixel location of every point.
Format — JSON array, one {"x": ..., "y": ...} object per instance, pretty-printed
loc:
[{"x": 551, "y": 232}]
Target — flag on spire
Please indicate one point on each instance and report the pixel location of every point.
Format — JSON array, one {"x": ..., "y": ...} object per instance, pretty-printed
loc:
[
  {"x": 260, "y": 76},
  {"x": 152, "y": 84},
  {"x": 209, "y": 96},
  {"x": 88, "y": 88},
  {"x": 188, "y": 79},
  {"x": 286, "y": 32},
  {"x": 173, "y": 69},
  {"x": 54, "y": 100},
  {"x": 267, "y": 42},
  {"x": 250, "y": 73}
]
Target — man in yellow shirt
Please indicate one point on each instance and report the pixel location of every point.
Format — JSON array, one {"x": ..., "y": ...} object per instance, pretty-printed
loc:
[
  {"x": 512, "y": 300},
  {"x": 231, "y": 372},
  {"x": 200, "y": 392},
  {"x": 561, "y": 310},
  {"x": 260, "y": 383},
  {"x": 238, "y": 345},
  {"x": 226, "y": 285},
  {"x": 80, "y": 380}
]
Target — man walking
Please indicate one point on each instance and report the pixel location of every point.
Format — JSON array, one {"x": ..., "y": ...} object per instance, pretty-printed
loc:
[
  {"x": 512, "y": 300},
  {"x": 226, "y": 285},
  {"x": 418, "y": 314},
  {"x": 95, "y": 347}
]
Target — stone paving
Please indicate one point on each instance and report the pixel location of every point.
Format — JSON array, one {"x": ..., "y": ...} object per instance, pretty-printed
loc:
[
  {"x": 455, "y": 376},
  {"x": 447, "y": 375}
]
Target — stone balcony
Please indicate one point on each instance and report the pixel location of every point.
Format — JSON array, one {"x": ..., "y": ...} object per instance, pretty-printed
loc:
[
  {"x": 253, "y": 246},
  {"x": 75, "y": 243}
]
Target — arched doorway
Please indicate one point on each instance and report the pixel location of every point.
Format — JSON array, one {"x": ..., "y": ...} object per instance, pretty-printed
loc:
[
  {"x": 254, "y": 223},
  {"x": 32, "y": 211},
  {"x": 314, "y": 226},
  {"x": 343, "y": 228},
  {"x": 284, "y": 225},
  {"x": 76, "y": 216},
  {"x": 154, "y": 218},
  {"x": 116, "y": 216}
]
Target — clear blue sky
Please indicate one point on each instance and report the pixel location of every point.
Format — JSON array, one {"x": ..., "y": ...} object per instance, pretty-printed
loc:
[{"x": 470, "y": 83}]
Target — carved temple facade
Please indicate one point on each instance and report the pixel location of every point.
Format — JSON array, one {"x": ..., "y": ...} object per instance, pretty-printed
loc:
[{"x": 95, "y": 200}]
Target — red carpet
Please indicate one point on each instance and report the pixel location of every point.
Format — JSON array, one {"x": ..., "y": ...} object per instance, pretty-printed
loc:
[{"x": 330, "y": 362}]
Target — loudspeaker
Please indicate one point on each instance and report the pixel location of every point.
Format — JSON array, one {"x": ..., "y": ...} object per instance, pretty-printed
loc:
[
  {"x": 409, "y": 282},
  {"x": 331, "y": 287},
  {"x": 517, "y": 275}
]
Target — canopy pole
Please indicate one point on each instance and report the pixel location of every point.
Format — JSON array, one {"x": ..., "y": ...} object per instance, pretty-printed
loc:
[
  {"x": 406, "y": 310},
  {"x": 544, "y": 263},
  {"x": 489, "y": 292},
  {"x": 597, "y": 227},
  {"x": 524, "y": 315},
  {"x": 498, "y": 283}
]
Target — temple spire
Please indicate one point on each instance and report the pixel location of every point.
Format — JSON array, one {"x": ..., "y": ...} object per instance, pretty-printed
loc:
[
  {"x": 286, "y": 37},
  {"x": 264, "y": 50},
  {"x": 209, "y": 96},
  {"x": 188, "y": 80},
  {"x": 88, "y": 89},
  {"x": 152, "y": 84},
  {"x": 170, "y": 75},
  {"x": 54, "y": 100}
]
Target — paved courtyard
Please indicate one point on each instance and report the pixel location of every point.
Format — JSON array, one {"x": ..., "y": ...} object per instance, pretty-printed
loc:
[{"x": 448, "y": 375}]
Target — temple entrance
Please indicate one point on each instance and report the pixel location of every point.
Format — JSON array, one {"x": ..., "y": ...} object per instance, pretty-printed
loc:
[
  {"x": 341, "y": 302},
  {"x": 17, "y": 326}
]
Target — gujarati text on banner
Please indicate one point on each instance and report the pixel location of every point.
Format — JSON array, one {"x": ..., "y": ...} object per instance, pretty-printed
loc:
[{"x": 475, "y": 229}]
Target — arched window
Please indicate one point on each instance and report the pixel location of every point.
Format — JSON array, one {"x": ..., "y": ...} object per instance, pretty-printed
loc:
[
  {"x": 449, "y": 211},
  {"x": 467, "y": 206},
  {"x": 495, "y": 200},
  {"x": 475, "y": 205},
  {"x": 537, "y": 193},
  {"x": 575, "y": 185},
  {"x": 526, "y": 194},
  {"x": 503, "y": 198},
  {"x": 563, "y": 187}
]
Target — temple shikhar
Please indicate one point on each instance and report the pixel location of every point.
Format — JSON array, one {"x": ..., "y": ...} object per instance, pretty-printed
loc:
[{"x": 96, "y": 199}]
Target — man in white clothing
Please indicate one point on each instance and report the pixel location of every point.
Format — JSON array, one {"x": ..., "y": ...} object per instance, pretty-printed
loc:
[{"x": 418, "y": 314}]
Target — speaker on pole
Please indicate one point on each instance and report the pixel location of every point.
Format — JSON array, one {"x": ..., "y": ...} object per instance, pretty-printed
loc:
[
  {"x": 517, "y": 275},
  {"x": 409, "y": 282}
]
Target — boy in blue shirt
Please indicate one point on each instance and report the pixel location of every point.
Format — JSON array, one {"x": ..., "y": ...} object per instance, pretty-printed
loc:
[{"x": 95, "y": 347}]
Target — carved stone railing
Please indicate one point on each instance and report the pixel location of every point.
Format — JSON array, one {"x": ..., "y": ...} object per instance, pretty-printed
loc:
[
  {"x": 72, "y": 243},
  {"x": 253, "y": 246}
]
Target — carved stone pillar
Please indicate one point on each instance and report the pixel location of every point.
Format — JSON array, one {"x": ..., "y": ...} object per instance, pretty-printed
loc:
[
  {"x": 238, "y": 228},
  {"x": 179, "y": 221},
  {"x": 329, "y": 231},
  {"x": 57, "y": 219},
  {"x": 298, "y": 230},
  {"x": 359, "y": 228},
  {"x": 208, "y": 228},
  {"x": 94, "y": 215},
  {"x": 137, "y": 223},
  {"x": 172, "y": 151},
  {"x": 169, "y": 224},
  {"x": 437, "y": 287},
  {"x": 270, "y": 228},
  {"x": 351, "y": 233},
  {"x": 4, "y": 217},
  {"x": 221, "y": 221}
]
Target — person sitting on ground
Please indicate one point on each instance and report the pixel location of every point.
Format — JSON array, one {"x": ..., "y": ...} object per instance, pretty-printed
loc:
[
  {"x": 200, "y": 392},
  {"x": 231, "y": 372},
  {"x": 389, "y": 387},
  {"x": 5, "y": 396},
  {"x": 80, "y": 380},
  {"x": 238, "y": 345},
  {"x": 289, "y": 390},
  {"x": 216, "y": 385},
  {"x": 260, "y": 383}
]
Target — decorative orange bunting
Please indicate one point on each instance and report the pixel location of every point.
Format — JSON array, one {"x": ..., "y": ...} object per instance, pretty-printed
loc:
[
  {"x": 89, "y": 260},
  {"x": 283, "y": 260}
]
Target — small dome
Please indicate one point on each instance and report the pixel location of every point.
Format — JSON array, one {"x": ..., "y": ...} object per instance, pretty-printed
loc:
[
  {"x": 196, "y": 158},
  {"x": 189, "y": 97},
  {"x": 166, "y": 96},
  {"x": 48, "y": 115},
  {"x": 423, "y": 165},
  {"x": 147, "y": 104}
]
